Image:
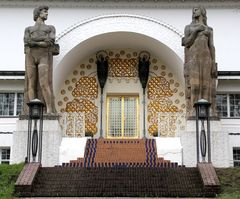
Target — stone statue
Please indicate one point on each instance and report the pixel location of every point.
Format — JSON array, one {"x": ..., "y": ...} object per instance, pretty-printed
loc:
[
  {"x": 200, "y": 69},
  {"x": 39, "y": 43}
]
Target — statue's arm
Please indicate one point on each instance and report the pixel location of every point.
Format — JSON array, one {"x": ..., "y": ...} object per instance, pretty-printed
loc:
[
  {"x": 212, "y": 51},
  {"x": 190, "y": 36},
  {"x": 211, "y": 45},
  {"x": 51, "y": 36},
  {"x": 28, "y": 40}
]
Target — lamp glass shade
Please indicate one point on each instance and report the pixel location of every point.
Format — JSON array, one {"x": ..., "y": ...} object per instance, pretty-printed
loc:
[
  {"x": 202, "y": 107},
  {"x": 203, "y": 111},
  {"x": 36, "y": 111}
]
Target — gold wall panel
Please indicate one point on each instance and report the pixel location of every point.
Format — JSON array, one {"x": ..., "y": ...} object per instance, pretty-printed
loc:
[
  {"x": 86, "y": 87},
  {"x": 89, "y": 109},
  {"x": 159, "y": 93},
  {"x": 123, "y": 67},
  {"x": 158, "y": 87}
]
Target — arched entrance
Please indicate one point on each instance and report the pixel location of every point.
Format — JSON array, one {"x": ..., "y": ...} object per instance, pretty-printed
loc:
[{"x": 123, "y": 36}]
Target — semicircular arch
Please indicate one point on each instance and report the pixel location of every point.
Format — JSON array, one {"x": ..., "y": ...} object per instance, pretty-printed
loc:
[{"x": 117, "y": 31}]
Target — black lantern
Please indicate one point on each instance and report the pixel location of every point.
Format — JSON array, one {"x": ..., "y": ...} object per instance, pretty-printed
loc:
[
  {"x": 202, "y": 109},
  {"x": 35, "y": 130},
  {"x": 202, "y": 113}
]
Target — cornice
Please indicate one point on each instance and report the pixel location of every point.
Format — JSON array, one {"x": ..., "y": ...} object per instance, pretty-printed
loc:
[{"x": 166, "y": 4}]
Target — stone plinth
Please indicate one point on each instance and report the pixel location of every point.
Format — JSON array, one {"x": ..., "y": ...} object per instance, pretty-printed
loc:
[
  {"x": 51, "y": 141},
  {"x": 219, "y": 144}
]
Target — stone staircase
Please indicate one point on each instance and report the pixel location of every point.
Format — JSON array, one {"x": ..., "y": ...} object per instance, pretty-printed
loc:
[
  {"x": 118, "y": 168},
  {"x": 120, "y": 153}
]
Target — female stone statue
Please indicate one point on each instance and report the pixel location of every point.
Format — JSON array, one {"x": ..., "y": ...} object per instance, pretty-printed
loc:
[{"x": 200, "y": 69}]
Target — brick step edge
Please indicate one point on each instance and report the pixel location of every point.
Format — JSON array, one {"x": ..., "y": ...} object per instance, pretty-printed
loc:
[
  {"x": 211, "y": 183},
  {"x": 26, "y": 178}
]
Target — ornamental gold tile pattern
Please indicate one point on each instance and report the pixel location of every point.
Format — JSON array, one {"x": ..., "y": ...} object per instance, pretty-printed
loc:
[
  {"x": 89, "y": 109},
  {"x": 158, "y": 87},
  {"x": 79, "y": 90},
  {"x": 159, "y": 93},
  {"x": 86, "y": 87},
  {"x": 119, "y": 67}
]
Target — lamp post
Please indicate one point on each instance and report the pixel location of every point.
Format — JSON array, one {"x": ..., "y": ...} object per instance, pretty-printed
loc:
[
  {"x": 102, "y": 73},
  {"x": 35, "y": 128},
  {"x": 202, "y": 114},
  {"x": 143, "y": 73}
]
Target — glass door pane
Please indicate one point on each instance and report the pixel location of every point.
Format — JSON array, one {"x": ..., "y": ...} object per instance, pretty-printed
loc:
[
  {"x": 130, "y": 117},
  {"x": 115, "y": 117},
  {"x": 122, "y": 117}
]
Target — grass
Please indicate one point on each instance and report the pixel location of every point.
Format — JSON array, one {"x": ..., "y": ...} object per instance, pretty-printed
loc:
[
  {"x": 230, "y": 182},
  {"x": 8, "y": 177}
]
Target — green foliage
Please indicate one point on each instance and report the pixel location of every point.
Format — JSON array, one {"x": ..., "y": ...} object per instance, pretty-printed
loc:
[
  {"x": 230, "y": 182},
  {"x": 8, "y": 177}
]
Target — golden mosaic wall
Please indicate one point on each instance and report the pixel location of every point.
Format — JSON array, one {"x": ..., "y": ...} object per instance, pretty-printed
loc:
[
  {"x": 80, "y": 93},
  {"x": 166, "y": 95},
  {"x": 119, "y": 67},
  {"x": 80, "y": 90}
]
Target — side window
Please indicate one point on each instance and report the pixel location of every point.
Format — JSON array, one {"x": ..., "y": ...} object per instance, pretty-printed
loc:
[
  {"x": 7, "y": 103},
  {"x": 11, "y": 104},
  {"x": 222, "y": 105},
  {"x": 234, "y": 100},
  {"x": 228, "y": 105},
  {"x": 236, "y": 156},
  {"x": 19, "y": 103},
  {"x": 5, "y": 155}
]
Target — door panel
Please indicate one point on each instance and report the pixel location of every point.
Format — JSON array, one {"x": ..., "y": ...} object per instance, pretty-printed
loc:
[{"x": 122, "y": 117}]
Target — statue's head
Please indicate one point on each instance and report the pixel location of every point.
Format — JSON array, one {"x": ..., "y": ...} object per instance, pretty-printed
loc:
[
  {"x": 37, "y": 11},
  {"x": 197, "y": 11}
]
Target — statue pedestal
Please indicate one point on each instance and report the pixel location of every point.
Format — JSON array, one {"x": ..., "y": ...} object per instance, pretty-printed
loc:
[
  {"x": 51, "y": 141},
  {"x": 219, "y": 144}
]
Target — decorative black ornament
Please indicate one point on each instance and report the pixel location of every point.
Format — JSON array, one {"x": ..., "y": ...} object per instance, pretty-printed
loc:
[
  {"x": 102, "y": 68},
  {"x": 143, "y": 68}
]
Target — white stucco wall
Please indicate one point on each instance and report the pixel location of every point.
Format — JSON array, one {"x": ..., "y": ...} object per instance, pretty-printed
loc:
[
  {"x": 14, "y": 20},
  {"x": 5, "y": 140}
]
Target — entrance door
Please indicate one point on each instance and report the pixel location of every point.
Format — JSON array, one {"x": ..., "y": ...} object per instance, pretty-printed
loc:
[{"x": 122, "y": 117}]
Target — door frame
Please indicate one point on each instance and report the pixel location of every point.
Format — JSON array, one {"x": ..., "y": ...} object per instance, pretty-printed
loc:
[{"x": 136, "y": 96}]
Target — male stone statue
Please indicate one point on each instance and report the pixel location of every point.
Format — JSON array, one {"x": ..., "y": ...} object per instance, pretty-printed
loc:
[
  {"x": 39, "y": 43},
  {"x": 200, "y": 69}
]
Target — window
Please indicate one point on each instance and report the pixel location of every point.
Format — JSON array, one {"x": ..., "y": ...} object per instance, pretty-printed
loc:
[
  {"x": 228, "y": 105},
  {"x": 5, "y": 155},
  {"x": 236, "y": 156},
  {"x": 222, "y": 105},
  {"x": 11, "y": 104},
  {"x": 234, "y": 100}
]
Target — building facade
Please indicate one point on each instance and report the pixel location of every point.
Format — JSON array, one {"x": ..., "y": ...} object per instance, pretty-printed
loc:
[{"x": 124, "y": 29}]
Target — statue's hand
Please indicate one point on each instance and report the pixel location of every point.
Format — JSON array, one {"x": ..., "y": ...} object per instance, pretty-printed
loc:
[
  {"x": 43, "y": 44},
  {"x": 31, "y": 44},
  {"x": 200, "y": 28}
]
